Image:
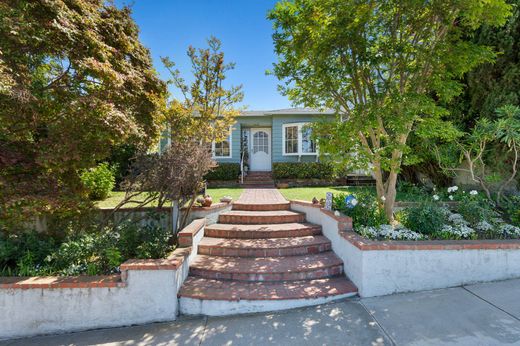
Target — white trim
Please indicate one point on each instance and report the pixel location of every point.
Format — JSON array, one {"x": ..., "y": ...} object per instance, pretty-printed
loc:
[
  {"x": 300, "y": 140},
  {"x": 213, "y": 156}
]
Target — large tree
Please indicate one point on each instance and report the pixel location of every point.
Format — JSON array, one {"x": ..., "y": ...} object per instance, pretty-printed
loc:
[
  {"x": 384, "y": 66},
  {"x": 74, "y": 82}
]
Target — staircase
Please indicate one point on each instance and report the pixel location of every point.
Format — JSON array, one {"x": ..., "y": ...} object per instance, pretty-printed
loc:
[
  {"x": 261, "y": 256},
  {"x": 258, "y": 180}
]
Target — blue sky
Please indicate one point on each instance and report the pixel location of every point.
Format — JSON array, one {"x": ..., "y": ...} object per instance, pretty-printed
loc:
[{"x": 168, "y": 27}]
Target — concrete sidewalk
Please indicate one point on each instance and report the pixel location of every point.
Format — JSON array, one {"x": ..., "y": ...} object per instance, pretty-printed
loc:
[{"x": 484, "y": 314}]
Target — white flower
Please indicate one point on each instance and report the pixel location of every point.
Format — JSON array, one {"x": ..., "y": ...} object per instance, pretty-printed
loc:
[
  {"x": 354, "y": 202},
  {"x": 383, "y": 198},
  {"x": 457, "y": 219},
  {"x": 435, "y": 197},
  {"x": 337, "y": 213},
  {"x": 484, "y": 226},
  {"x": 452, "y": 189},
  {"x": 450, "y": 197},
  {"x": 473, "y": 192}
]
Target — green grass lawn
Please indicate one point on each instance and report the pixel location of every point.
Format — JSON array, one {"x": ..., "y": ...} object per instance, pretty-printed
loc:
[
  {"x": 216, "y": 193},
  {"x": 307, "y": 193}
]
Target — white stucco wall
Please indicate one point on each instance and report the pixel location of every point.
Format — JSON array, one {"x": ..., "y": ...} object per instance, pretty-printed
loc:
[
  {"x": 382, "y": 272},
  {"x": 149, "y": 296}
]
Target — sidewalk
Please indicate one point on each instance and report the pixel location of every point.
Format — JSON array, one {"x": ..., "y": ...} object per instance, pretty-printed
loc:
[{"x": 483, "y": 314}]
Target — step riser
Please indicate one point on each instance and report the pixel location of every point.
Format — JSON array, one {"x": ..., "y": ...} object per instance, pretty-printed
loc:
[
  {"x": 320, "y": 273},
  {"x": 259, "y": 234},
  {"x": 250, "y": 219},
  {"x": 261, "y": 207},
  {"x": 194, "y": 306},
  {"x": 234, "y": 252}
]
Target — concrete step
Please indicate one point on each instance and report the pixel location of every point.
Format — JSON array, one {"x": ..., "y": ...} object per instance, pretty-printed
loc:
[
  {"x": 260, "y": 217},
  {"x": 247, "y": 231},
  {"x": 307, "y": 267},
  {"x": 261, "y": 206},
  {"x": 264, "y": 247}
]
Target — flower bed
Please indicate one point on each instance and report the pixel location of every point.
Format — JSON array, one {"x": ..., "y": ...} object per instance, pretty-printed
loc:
[{"x": 473, "y": 217}]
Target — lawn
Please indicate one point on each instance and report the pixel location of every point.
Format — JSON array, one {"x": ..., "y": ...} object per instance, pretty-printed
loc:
[
  {"x": 216, "y": 193},
  {"x": 307, "y": 193}
]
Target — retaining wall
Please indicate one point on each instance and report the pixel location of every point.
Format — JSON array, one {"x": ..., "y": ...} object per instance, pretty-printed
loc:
[
  {"x": 386, "y": 267},
  {"x": 144, "y": 292}
]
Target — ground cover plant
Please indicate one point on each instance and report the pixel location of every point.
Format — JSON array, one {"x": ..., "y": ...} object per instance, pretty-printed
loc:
[
  {"x": 473, "y": 216},
  {"x": 98, "y": 249}
]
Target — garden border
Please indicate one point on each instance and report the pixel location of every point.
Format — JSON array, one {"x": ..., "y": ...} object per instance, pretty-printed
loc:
[
  {"x": 144, "y": 292},
  {"x": 386, "y": 267}
]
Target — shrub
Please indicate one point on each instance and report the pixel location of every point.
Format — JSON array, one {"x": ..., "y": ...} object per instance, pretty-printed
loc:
[
  {"x": 99, "y": 181},
  {"x": 426, "y": 218},
  {"x": 303, "y": 170},
  {"x": 361, "y": 207},
  {"x": 475, "y": 209},
  {"x": 224, "y": 171}
]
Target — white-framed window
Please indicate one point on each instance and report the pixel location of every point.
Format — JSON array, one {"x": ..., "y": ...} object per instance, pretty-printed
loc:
[
  {"x": 297, "y": 140},
  {"x": 222, "y": 149}
]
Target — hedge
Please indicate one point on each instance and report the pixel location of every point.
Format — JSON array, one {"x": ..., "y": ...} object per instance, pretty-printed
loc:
[
  {"x": 224, "y": 171},
  {"x": 303, "y": 170}
]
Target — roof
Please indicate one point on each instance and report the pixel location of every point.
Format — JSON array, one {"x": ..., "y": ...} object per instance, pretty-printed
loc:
[{"x": 288, "y": 111}]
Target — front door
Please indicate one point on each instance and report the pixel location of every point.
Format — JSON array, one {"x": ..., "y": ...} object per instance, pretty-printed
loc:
[{"x": 260, "y": 149}]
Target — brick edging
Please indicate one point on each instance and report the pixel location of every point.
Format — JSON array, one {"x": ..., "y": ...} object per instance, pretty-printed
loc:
[
  {"x": 187, "y": 234},
  {"x": 172, "y": 262},
  {"x": 82, "y": 281},
  {"x": 344, "y": 222},
  {"x": 365, "y": 244}
]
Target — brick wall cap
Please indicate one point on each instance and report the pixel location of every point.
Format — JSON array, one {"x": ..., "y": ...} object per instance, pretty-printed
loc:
[
  {"x": 341, "y": 218},
  {"x": 365, "y": 244},
  {"x": 187, "y": 234},
  {"x": 52, "y": 282},
  {"x": 172, "y": 262}
]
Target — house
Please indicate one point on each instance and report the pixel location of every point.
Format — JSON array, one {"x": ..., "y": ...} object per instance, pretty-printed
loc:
[{"x": 271, "y": 136}]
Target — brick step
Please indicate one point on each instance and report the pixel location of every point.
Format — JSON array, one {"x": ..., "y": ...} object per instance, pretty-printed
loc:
[
  {"x": 257, "y": 186},
  {"x": 259, "y": 174},
  {"x": 258, "y": 182},
  {"x": 245, "y": 231},
  {"x": 264, "y": 247},
  {"x": 308, "y": 267},
  {"x": 260, "y": 217},
  {"x": 208, "y": 289},
  {"x": 261, "y": 206},
  {"x": 258, "y": 177}
]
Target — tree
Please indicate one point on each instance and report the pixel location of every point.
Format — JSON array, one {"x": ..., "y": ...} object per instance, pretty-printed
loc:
[
  {"x": 206, "y": 109},
  {"x": 479, "y": 150},
  {"x": 175, "y": 175},
  {"x": 384, "y": 66},
  {"x": 75, "y": 81},
  {"x": 492, "y": 85}
]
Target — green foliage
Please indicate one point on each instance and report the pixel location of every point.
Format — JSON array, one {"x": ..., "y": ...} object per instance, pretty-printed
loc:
[
  {"x": 99, "y": 181},
  {"x": 303, "y": 170},
  {"x": 386, "y": 67},
  {"x": 206, "y": 96},
  {"x": 121, "y": 159},
  {"x": 92, "y": 252},
  {"x": 512, "y": 209},
  {"x": 224, "y": 171},
  {"x": 475, "y": 208},
  {"x": 75, "y": 82},
  {"x": 366, "y": 212},
  {"x": 426, "y": 218}
]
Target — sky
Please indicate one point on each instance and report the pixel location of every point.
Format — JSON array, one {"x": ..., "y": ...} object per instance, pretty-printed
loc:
[{"x": 168, "y": 27}]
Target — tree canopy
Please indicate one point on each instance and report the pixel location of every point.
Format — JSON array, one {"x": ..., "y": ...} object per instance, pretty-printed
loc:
[
  {"x": 386, "y": 67},
  {"x": 74, "y": 81}
]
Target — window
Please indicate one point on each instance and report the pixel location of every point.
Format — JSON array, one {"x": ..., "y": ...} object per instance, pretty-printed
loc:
[
  {"x": 297, "y": 140},
  {"x": 291, "y": 139},
  {"x": 261, "y": 142},
  {"x": 222, "y": 149}
]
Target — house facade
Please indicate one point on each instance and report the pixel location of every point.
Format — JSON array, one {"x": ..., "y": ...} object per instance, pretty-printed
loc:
[{"x": 271, "y": 136}]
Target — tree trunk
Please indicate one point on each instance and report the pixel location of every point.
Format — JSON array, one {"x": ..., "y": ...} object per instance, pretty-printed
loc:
[
  {"x": 390, "y": 195},
  {"x": 175, "y": 217}
]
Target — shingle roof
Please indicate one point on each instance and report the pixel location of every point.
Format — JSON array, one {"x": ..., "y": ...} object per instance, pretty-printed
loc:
[{"x": 287, "y": 111}]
